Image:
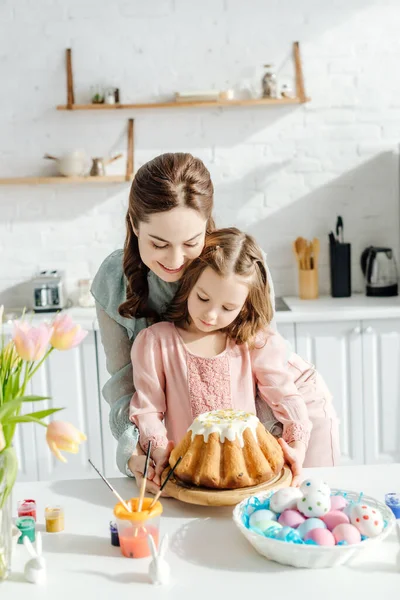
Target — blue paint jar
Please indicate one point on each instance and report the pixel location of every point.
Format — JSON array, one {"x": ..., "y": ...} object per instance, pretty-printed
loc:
[
  {"x": 392, "y": 500},
  {"x": 114, "y": 534}
]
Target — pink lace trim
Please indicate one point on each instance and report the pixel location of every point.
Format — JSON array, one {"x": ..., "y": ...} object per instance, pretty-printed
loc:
[
  {"x": 295, "y": 432},
  {"x": 209, "y": 384},
  {"x": 157, "y": 441}
]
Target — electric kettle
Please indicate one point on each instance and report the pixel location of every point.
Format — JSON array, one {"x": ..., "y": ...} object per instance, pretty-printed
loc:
[{"x": 380, "y": 271}]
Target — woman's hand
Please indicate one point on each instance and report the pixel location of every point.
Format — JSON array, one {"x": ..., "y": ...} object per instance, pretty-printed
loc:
[
  {"x": 294, "y": 454},
  {"x": 161, "y": 458}
]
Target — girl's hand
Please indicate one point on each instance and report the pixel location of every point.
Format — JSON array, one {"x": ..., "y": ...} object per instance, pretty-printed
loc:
[
  {"x": 294, "y": 454},
  {"x": 136, "y": 464},
  {"x": 161, "y": 457}
]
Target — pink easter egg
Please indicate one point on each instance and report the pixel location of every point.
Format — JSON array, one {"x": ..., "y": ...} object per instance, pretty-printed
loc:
[
  {"x": 291, "y": 518},
  {"x": 338, "y": 502},
  {"x": 335, "y": 518},
  {"x": 322, "y": 537},
  {"x": 347, "y": 533}
]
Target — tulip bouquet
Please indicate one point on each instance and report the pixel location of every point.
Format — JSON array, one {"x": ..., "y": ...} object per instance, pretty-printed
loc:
[{"x": 20, "y": 359}]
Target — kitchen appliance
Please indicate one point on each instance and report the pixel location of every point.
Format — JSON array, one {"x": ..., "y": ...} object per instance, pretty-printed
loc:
[
  {"x": 48, "y": 292},
  {"x": 380, "y": 272}
]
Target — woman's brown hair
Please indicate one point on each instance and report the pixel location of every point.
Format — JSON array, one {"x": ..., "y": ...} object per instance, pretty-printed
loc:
[
  {"x": 229, "y": 251},
  {"x": 166, "y": 182}
]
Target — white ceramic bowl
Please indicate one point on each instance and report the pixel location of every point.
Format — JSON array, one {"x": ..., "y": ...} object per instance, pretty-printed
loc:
[{"x": 312, "y": 557}]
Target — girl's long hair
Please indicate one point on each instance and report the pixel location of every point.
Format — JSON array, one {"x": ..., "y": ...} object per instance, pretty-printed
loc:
[
  {"x": 229, "y": 251},
  {"x": 166, "y": 182}
]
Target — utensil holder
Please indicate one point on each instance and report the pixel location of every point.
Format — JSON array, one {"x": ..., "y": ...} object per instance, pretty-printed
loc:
[
  {"x": 308, "y": 284},
  {"x": 340, "y": 260}
]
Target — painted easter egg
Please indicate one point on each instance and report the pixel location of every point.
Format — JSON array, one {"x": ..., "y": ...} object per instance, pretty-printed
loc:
[
  {"x": 261, "y": 519},
  {"x": 346, "y": 533},
  {"x": 322, "y": 537},
  {"x": 314, "y": 504},
  {"x": 315, "y": 485},
  {"x": 288, "y": 534},
  {"x": 334, "y": 518},
  {"x": 309, "y": 525},
  {"x": 291, "y": 518},
  {"x": 284, "y": 499},
  {"x": 368, "y": 520},
  {"x": 338, "y": 502},
  {"x": 273, "y": 530}
]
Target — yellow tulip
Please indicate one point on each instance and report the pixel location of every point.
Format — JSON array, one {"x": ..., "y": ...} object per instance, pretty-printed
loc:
[
  {"x": 63, "y": 436},
  {"x": 30, "y": 342}
]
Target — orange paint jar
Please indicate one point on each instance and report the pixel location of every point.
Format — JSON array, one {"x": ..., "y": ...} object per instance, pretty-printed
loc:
[{"x": 133, "y": 527}]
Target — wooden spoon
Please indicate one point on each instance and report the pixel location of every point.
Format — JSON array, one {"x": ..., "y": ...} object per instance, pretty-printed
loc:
[
  {"x": 301, "y": 245},
  {"x": 316, "y": 249}
]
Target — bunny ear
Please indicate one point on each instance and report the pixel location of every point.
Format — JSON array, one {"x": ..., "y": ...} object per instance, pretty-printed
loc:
[
  {"x": 28, "y": 545},
  {"x": 39, "y": 543},
  {"x": 164, "y": 545},
  {"x": 152, "y": 545}
]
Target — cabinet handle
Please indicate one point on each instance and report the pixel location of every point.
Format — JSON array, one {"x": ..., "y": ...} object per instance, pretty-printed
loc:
[
  {"x": 356, "y": 331},
  {"x": 369, "y": 330}
]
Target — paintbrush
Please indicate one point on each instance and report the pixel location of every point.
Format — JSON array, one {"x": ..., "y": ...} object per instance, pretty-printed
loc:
[
  {"x": 124, "y": 504},
  {"x": 156, "y": 497},
  {"x": 143, "y": 486}
]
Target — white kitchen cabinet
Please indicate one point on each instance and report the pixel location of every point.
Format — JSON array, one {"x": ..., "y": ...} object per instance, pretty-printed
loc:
[
  {"x": 381, "y": 371},
  {"x": 70, "y": 379},
  {"x": 287, "y": 330},
  {"x": 335, "y": 348},
  {"x": 109, "y": 442}
]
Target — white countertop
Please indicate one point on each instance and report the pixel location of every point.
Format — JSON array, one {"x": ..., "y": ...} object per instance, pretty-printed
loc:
[
  {"x": 327, "y": 308},
  {"x": 324, "y": 308},
  {"x": 208, "y": 555}
]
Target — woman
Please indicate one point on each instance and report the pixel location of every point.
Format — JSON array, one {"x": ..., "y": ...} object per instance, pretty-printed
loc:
[{"x": 168, "y": 217}]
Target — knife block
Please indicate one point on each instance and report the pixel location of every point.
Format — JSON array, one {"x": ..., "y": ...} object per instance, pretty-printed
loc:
[{"x": 308, "y": 284}]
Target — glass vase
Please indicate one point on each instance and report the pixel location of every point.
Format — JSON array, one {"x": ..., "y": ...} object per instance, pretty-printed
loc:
[{"x": 5, "y": 531}]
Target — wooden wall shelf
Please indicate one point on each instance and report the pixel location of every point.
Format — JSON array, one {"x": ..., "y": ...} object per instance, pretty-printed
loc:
[
  {"x": 197, "y": 104},
  {"x": 63, "y": 180},
  {"x": 87, "y": 180},
  {"x": 300, "y": 98}
]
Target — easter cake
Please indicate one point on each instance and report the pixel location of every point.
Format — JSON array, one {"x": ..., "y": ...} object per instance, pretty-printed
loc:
[{"x": 227, "y": 449}]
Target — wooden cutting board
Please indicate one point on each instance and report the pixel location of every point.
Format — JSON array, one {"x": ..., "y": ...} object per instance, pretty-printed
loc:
[{"x": 208, "y": 497}]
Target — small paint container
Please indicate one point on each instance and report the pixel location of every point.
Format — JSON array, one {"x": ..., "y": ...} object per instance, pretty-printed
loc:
[
  {"x": 392, "y": 500},
  {"x": 114, "y": 534},
  {"x": 26, "y": 508},
  {"x": 134, "y": 527},
  {"x": 26, "y": 525},
  {"x": 54, "y": 516}
]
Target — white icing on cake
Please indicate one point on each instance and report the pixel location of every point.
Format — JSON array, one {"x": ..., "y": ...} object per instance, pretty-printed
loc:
[{"x": 229, "y": 424}]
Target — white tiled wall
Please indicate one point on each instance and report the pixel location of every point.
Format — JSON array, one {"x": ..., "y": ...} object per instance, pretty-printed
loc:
[{"x": 278, "y": 172}]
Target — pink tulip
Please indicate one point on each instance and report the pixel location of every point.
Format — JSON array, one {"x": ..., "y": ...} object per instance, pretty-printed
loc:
[
  {"x": 30, "y": 342},
  {"x": 63, "y": 436},
  {"x": 66, "y": 334}
]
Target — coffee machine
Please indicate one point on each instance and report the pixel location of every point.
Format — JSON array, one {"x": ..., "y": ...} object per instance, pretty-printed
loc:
[
  {"x": 48, "y": 292},
  {"x": 380, "y": 271}
]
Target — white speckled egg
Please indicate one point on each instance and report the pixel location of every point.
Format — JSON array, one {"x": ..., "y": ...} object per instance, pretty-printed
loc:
[
  {"x": 261, "y": 519},
  {"x": 368, "y": 520},
  {"x": 309, "y": 525},
  {"x": 314, "y": 504},
  {"x": 285, "y": 499},
  {"x": 314, "y": 485}
]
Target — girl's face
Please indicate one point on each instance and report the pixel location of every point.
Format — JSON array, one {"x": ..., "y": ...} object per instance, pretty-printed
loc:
[
  {"x": 215, "y": 301},
  {"x": 170, "y": 240}
]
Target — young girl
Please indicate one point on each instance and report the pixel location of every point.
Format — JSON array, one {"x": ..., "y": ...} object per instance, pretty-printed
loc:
[{"x": 218, "y": 351}]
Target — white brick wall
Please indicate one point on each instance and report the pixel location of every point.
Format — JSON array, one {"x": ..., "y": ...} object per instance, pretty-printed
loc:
[{"x": 278, "y": 172}]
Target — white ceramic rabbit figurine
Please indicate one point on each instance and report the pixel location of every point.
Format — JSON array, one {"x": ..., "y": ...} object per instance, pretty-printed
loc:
[
  {"x": 159, "y": 569},
  {"x": 35, "y": 569}
]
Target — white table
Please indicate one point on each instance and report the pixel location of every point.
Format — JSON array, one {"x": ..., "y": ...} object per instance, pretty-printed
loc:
[{"x": 208, "y": 556}]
